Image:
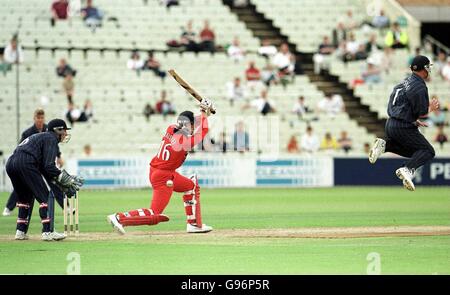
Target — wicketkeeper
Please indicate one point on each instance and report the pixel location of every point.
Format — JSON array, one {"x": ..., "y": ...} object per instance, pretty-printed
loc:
[{"x": 33, "y": 161}]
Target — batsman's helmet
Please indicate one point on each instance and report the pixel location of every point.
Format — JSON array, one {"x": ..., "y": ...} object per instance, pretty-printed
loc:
[
  {"x": 184, "y": 120},
  {"x": 59, "y": 127}
]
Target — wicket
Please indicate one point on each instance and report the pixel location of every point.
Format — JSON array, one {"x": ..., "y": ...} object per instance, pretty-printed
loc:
[{"x": 71, "y": 215}]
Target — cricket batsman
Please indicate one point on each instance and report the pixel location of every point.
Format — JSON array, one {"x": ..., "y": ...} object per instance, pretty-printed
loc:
[{"x": 179, "y": 139}]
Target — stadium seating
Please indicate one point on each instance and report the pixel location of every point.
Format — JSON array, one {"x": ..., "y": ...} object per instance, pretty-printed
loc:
[
  {"x": 306, "y": 22},
  {"x": 320, "y": 17},
  {"x": 139, "y": 26},
  {"x": 119, "y": 95}
]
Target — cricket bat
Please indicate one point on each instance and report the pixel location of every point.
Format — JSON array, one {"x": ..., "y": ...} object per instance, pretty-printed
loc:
[{"x": 186, "y": 86}]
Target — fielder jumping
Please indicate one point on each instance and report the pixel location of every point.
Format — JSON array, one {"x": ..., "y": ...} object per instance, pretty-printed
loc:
[
  {"x": 178, "y": 140},
  {"x": 408, "y": 105}
]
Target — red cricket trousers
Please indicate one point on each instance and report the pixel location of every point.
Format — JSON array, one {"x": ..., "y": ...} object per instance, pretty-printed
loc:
[{"x": 162, "y": 192}]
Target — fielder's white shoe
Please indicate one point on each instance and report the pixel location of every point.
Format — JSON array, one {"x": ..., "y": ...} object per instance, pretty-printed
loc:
[
  {"x": 377, "y": 150},
  {"x": 20, "y": 235},
  {"x": 406, "y": 175},
  {"x": 52, "y": 236},
  {"x": 112, "y": 219},
  {"x": 6, "y": 212},
  {"x": 192, "y": 229}
]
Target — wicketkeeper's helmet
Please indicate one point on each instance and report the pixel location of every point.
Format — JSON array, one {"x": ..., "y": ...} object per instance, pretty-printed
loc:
[{"x": 59, "y": 126}]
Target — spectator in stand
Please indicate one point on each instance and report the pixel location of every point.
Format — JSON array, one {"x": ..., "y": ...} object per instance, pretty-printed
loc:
[
  {"x": 284, "y": 60},
  {"x": 354, "y": 50},
  {"x": 69, "y": 87},
  {"x": 331, "y": 105},
  {"x": 241, "y": 139},
  {"x": 262, "y": 104},
  {"x": 345, "y": 142},
  {"x": 253, "y": 77},
  {"x": 91, "y": 15},
  {"x": 441, "y": 137},
  {"x": 4, "y": 66},
  {"x": 351, "y": 48},
  {"x": 135, "y": 62},
  {"x": 372, "y": 74},
  {"x": 396, "y": 38},
  {"x": 372, "y": 46},
  {"x": 269, "y": 74},
  {"x": 64, "y": 69},
  {"x": 380, "y": 21},
  {"x": 350, "y": 23},
  {"x": 148, "y": 111},
  {"x": 437, "y": 118},
  {"x": 60, "y": 9},
  {"x": 235, "y": 52},
  {"x": 236, "y": 91},
  {"x": 323, "y": 56},
  {"x": 13, "y": 52},
  {"x": 267, "y": 49},
  {"x": 309, "y": 142},
  {"x": 329, "y": 142},
  {"x": 207, "y": 38},
  {"x": 164, "y": 106},
  {"x": 440, "y": 63},
  {"x": 300, "y": 108},
  {"x": 152, "y": 64},
  {"x": 446, "y": 70},
  {"x": 87, "y": 151},
  {"x": 339, "y": 35},
  {"x": 222, "y": 144},
  {"x": 292, "y": 146},
  {"x": 188, "y": 38},
  {"x": 74, "y": 114}
]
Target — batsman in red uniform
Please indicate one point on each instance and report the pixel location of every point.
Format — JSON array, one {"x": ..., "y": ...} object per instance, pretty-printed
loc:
[{"x": 179, "y": 139}]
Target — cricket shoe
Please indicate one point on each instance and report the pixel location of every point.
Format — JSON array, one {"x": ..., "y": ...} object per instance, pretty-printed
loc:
[
  {"x": 6, "y": 212},
  {"x": 21, "y": 236},
  {"x": 52, "y": 236},
  {"x": 406, "y": 175},
  {"x": 112, "y": 219},
  {"x": 377, "y": 150},
  {"x": 192, "y": 229}
]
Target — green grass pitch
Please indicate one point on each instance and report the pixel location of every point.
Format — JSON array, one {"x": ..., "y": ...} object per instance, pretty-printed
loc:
[{"x": 166, "y": 249}]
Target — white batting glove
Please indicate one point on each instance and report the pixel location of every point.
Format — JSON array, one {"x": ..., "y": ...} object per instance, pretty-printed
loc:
[{"x": 207, "y": 106}]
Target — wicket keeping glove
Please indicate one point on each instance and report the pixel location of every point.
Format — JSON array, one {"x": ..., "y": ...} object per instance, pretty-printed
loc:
[
  {"x": 68, "y": 181},
  {"x": 68, "y": 191}
]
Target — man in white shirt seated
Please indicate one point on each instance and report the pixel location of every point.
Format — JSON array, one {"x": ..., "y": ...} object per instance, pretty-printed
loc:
[
  {"x": 267, "y": 49},
  {"x": 351, "y": 47},
  {"x": 262, "y": 104},
  {"x": 284, "y": 60},
  {"x": 309, "y": 142},
  {"x": 300, "y": 107},
  {"x": 13, "y": 53},
  {"x": 331, "y": 105},
  {"x": 235, "y": 90},
  {"x": 235, "y": 52}
]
